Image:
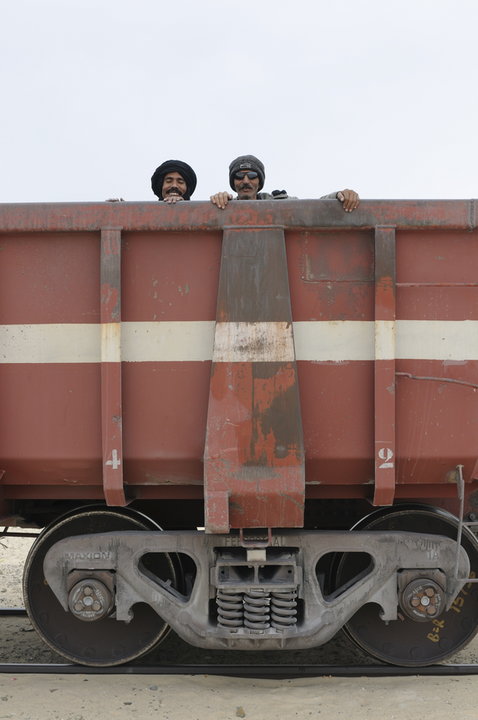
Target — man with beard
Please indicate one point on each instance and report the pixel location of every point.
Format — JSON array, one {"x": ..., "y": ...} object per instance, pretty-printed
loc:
[
  {"x": 246, "y": 178},
  {"x": 174, "y": 181}
]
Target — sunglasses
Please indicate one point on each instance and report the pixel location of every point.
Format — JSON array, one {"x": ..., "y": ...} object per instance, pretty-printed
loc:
[{"x": 242, "y": 174}]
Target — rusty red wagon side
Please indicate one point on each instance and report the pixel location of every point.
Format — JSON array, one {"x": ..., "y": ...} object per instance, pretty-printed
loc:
[{"x": 267, "y": 372}]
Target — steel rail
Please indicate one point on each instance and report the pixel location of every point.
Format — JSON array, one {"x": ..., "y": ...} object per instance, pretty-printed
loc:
[
  {"x": 12, "y": 611},
  {"x": 234, "y": 670},
  {"x": 245, "y": 671}
]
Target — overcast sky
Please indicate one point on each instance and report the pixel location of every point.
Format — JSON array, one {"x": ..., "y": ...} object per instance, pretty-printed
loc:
[{"x": 375, "y": 95}]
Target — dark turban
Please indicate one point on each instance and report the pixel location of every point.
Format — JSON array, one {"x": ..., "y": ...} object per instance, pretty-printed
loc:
[
  {"x": 185, "y": 170},
  {"x": 247, "y": 162}
]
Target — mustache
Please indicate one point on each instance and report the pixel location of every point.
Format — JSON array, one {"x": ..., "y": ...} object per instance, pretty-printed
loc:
[
  {"x": 245, "y": 186},
  {"x": 173, "y": 191}
]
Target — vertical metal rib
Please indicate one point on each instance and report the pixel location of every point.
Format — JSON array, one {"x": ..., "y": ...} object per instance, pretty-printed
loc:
[
  {"x": 384, "y": 371},
  {"x": 111, "y": 411}
]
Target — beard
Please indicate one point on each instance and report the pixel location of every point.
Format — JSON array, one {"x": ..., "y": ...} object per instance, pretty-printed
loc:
[
  {"x": 174, "y": 191},
  {"x": 246, "y": 192}
]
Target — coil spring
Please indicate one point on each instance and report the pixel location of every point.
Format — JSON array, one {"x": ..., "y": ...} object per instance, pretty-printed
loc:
[
  {"x": 256, "y": 610},
  {"x": 283, "y": 609},
  {"x": 229, "y": 609}
]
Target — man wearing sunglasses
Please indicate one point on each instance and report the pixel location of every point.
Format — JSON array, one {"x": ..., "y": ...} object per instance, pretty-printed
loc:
[{"x": 247, "y": 176}]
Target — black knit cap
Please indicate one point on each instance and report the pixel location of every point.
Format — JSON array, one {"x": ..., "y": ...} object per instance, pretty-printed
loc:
[
  {"x": 247, "y": 162},
  {"x": 186, "y": 172}
]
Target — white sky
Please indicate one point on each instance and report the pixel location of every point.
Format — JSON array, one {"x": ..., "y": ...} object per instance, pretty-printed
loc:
[{"x": 376, "y": 95}]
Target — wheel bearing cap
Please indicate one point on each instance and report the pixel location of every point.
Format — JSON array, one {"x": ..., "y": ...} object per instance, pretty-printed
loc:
[
  {"x": 422, "y": 600},
  {"x": 90, "y": 600}
]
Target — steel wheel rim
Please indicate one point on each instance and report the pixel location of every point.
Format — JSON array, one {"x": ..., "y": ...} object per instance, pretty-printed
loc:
[
  {"x": 105, "y": 642},
  {"x": 405, "y": 642}
]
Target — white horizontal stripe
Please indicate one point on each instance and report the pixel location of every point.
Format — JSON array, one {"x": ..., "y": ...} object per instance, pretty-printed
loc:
[
  {"x": 315, "y": 341},
  {"x": 111, "y": 342},
  {"x": 334, "y": 341},
  {"x": 341, "y": 341},
  {"x": 384, "y": 339},
  {"x": 55, "y": 343},
  {"x": 82, "y": 342},
  {"x": 253, "y": 342},
  {"x": 436, "y": 339},
  {"x": 167, "y": 341}
]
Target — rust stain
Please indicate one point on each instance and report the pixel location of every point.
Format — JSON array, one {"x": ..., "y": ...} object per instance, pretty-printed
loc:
[
  {"x": 259, "y": 406},
  {"x": 110, "y": 301}
]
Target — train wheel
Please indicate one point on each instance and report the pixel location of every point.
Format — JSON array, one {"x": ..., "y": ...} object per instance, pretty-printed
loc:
[
  {"x": 104, "y": 642},
  {"x": 406, "y": 641}
]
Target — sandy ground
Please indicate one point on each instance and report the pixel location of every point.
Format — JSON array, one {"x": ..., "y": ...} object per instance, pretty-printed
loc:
[
  {"x": 35, "y": 697},
  {"x": 82, "y": 697}
]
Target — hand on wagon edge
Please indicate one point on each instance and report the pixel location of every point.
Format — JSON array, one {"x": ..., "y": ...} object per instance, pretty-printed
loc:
[
  {"x": 349, "y": 199},
  {"x": 172, "y": 199},
  {"x": 221, "y": 199}
]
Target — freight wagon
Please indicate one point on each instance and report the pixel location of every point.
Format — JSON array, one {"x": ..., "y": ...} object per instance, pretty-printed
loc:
[{"x": 256, "y": 426}]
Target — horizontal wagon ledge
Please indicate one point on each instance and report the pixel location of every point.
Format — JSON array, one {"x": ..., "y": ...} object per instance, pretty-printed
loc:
[{"x": 129, "y": 216}]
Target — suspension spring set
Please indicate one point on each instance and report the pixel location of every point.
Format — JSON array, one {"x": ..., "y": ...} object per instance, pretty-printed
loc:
[{"x": 256, "y": 609}]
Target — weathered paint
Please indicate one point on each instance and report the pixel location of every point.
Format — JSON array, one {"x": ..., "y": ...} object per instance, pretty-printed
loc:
[
  {"x": 384, "y": 381},
  {"x": 193, "y": 341},
  {"x": 111, "y": 394},
  {"x": 254, "y": 342},
  {"x": 196, "y": 216},
  {"x": 51, "y": 343},
  {"x": 254, "y": 459}
]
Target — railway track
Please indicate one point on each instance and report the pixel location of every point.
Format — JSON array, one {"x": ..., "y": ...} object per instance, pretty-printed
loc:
[
  {"x": 266, "y": 670},
  {"x": 251, "y": 671}
]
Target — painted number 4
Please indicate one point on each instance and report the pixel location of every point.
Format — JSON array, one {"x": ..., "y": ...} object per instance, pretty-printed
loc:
[
  {"x": 386, "y": 455},
  {"x": 115, "y": 462}
]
